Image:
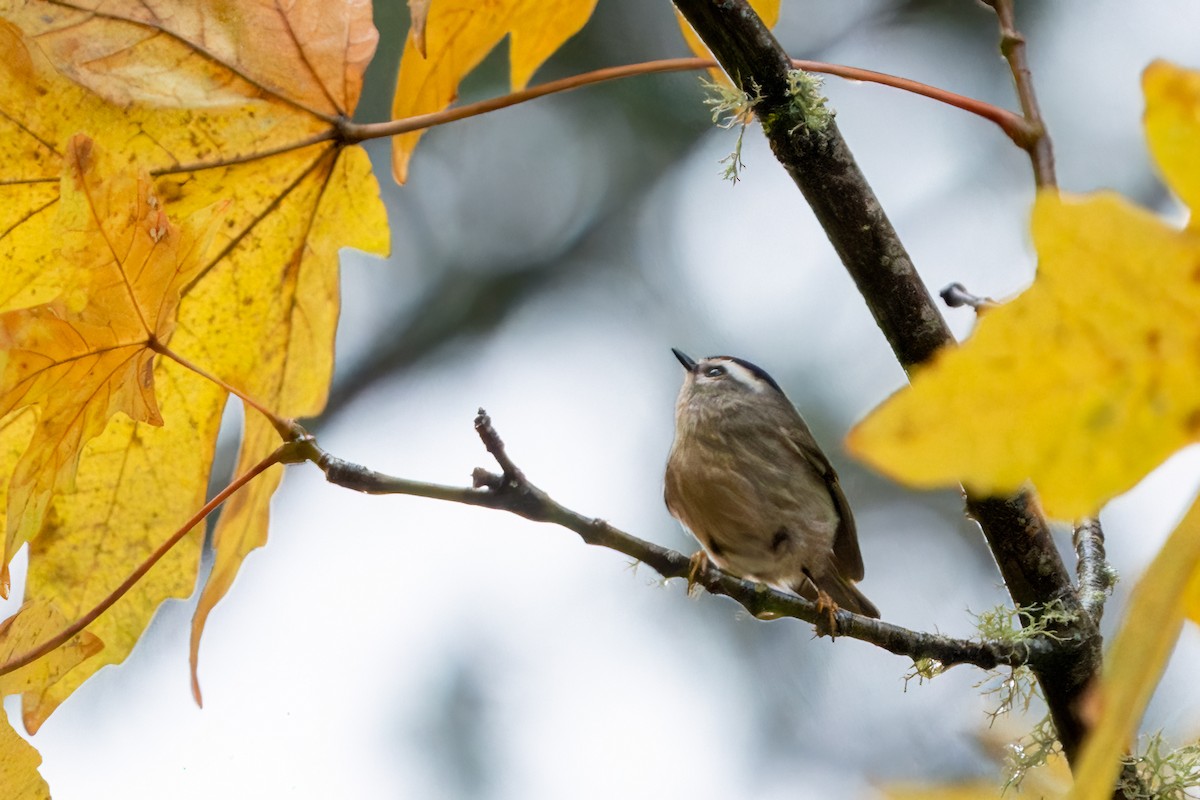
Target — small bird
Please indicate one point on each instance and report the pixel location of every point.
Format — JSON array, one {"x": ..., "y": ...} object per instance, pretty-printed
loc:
[{"x": 747, "y": 478}]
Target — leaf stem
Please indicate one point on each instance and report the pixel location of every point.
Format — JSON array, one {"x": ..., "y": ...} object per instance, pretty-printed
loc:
[
  {"x": 1012, "y": 124},
  {"x": 280, "y": 455},
  {"x": 285, "y": 427}
]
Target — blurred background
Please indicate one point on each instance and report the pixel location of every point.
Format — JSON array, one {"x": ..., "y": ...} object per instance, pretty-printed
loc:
[{"x": 544, "y": 260}]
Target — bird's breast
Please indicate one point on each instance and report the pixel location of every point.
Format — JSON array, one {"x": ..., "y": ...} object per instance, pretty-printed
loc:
[{"x": 757, "y": 513}]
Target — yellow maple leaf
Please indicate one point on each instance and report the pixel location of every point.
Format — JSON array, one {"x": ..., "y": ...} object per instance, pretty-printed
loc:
[
  {"x": 19, "y": 762},
  {"x": 33, "y": 624},
  {"x": 79, "y": 360},
  {"x": 82, "y": 358},
  {"x": 418, "y": 12},
  {"x": 1087, "y": 381},
  {"x": 291, "y": 372},
  {"x": 1172, "y": 124},
  {"x": 449, "y": 39},
  {"x": 135, "y": 486},
  {"x": 215, "y": 100}
]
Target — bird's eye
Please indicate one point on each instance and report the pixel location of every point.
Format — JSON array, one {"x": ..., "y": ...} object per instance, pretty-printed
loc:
[{"x": 714, "y": 372}]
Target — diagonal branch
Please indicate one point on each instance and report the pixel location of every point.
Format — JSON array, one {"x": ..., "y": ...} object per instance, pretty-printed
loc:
[
  {"x": 513, "y": 493},
  {"x": 823, "y": 168}
]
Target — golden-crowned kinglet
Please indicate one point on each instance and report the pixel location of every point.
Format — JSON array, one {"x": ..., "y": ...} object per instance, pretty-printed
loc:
[{"x": 746, "y": 477}]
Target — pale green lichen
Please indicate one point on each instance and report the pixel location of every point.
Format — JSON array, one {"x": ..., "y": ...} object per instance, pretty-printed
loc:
[
  {"x": 1007, "y": 624},
  {"x": 731, "y": 107},
  {"x": 1013, "y": 690},
  {"x": 1031, "y": 751},
  {"x": 1018, "y": 689},
  {"x": 1100, "y": 591},
  {"x": 808, "y": 106},
  {"x": 1159, "y": 773},
  {"x": 924, "y": 669},
  {"x": 1154, "y": 772}
]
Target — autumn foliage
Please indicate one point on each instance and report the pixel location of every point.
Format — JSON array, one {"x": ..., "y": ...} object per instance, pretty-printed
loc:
[
  {"x": 198, "y": 204},
  {"x": 1089, "y": 372},
  {"x": 178, "y": 180}
]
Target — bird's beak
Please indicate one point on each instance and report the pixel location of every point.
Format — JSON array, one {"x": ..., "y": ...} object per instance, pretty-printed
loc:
[{"x": 687, "y": 362}]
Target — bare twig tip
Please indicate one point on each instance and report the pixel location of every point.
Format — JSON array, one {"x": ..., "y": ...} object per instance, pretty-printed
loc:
[
  {"x": 491, "y": 440},
  {"x": 956, "y": 295},
  {"x": 482, "y": 479}
]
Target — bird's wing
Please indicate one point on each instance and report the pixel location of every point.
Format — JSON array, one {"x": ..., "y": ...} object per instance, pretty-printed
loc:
[{"x": 846, "y": 554}]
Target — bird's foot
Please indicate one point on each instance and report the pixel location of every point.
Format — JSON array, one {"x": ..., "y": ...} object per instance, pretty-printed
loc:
[
  {"x": 827, "y": 620},
  {"x": 698, "y": 566}
]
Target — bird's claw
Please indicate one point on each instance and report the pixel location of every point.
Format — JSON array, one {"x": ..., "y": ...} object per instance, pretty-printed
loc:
[
  {"x": 698, "y": 566},
  {"x": 827, "y": 615}
]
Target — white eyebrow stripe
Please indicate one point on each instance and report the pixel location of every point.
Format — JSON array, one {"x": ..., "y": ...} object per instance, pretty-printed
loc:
[{"x": 743, "y": 376}]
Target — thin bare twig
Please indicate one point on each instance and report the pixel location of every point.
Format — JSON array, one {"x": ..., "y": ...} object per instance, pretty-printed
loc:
[
  {"x": 1096, "y": 577},
  {"x": 513, "y": 493},
  {"x": 956, "y": 295},
  {"x": 491, "y": 440},
  {"x": 1037, "y": 140}
]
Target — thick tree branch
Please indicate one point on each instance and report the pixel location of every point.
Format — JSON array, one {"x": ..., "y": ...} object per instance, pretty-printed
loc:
[
  {"x": 822, "y": 166},
  {"x": 824, "y": 169},
  {"x": 510, "y": 491}
]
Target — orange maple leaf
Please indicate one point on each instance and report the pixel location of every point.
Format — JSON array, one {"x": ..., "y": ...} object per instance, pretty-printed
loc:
[
  {"x": 89, "y": 354},
  {"x": 216, "y": 100}
]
